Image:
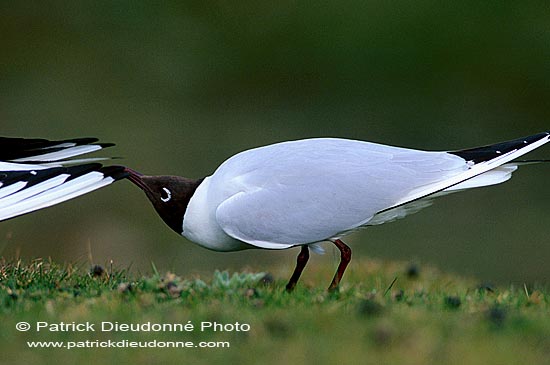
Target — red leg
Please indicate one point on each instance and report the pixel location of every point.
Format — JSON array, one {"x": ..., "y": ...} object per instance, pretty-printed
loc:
[
  {"x": 301, "y": 262},
  {"x": 345, "y": 258}
]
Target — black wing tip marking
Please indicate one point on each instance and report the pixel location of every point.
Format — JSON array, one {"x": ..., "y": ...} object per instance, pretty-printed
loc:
[
  {"x": 38, "y": 143},
  {"x": 37, "y": 176},
  {"x": 486, "y": 153},
  {"x": 15, "y": 147},
  {"x": 105, "y": 145},
  {"x": 116, "y": 172}
]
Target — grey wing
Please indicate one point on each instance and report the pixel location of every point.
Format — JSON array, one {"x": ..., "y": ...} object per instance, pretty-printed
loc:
[{"x": 308, "y": 198}]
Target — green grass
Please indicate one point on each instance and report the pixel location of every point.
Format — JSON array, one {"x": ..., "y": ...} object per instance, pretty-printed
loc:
[{"x": 425, "y": 316}]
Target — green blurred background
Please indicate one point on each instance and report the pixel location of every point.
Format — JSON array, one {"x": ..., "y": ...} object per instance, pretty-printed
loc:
[{"x": 180, "y": 86}]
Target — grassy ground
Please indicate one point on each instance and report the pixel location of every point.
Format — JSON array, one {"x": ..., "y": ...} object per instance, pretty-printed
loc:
[{"x": 425, "y": 316}]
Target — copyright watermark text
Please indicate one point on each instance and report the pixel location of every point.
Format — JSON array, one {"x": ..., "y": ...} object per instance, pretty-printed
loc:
[
  {"x": 106, "y": 326},
  {"x": 188, "y": 327}
]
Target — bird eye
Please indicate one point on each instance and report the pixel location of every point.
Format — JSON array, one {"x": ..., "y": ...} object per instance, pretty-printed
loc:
[{"x": 166, "y": 195}]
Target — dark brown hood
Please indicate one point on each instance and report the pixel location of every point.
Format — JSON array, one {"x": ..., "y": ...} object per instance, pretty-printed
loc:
[{"x": 170, "y": 195}]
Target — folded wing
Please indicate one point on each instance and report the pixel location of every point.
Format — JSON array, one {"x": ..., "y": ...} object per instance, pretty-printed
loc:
[{"x": 308, "y": 191}]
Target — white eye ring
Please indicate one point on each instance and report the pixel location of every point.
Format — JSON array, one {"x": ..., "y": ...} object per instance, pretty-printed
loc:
[{"x": 169, "y": 195}]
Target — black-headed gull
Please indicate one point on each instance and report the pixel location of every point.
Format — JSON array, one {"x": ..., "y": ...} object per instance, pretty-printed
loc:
[{"x": 284, "y": 195}]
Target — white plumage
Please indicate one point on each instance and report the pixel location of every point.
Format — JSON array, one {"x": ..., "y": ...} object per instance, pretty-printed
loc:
[
  {"x": 313, "y": 190},
  {"x": 68, "y": 150}
]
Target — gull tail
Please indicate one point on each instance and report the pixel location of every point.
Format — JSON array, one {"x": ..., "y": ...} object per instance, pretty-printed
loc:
[
  {"x": 494, "y": 161},
  {"x": 496, "y": 155},
  {"x": 38, "y": 173},
  {"x": 514, "y": 148},
  {"x": 487, "y": 165}
]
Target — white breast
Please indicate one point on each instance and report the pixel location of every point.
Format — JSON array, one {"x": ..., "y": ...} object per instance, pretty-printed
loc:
[{"x": 201, "y": 227}]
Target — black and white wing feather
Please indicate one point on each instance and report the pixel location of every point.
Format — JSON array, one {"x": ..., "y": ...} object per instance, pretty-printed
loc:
[
  {"x": 38, "y": 173},
  {"x": 487, "y": 165}
]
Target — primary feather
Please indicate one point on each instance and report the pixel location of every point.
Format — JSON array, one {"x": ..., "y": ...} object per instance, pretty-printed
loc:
[{"x": 38, "y": 173}]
